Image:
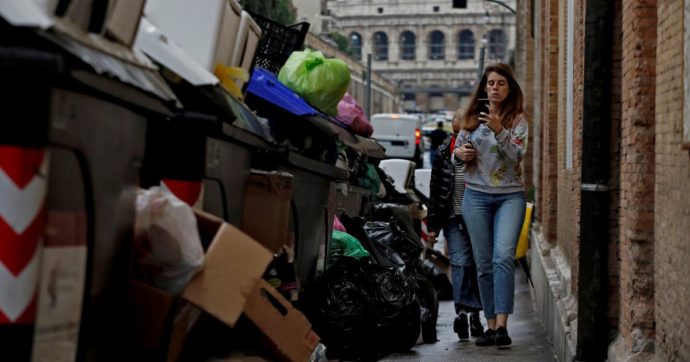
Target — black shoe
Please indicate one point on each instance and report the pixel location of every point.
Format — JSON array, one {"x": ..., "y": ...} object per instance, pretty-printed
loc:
[
  {"x": 460, "y": 326},
  {"x": 487, "y": 339},
  {"x": 476, "y": 328},
  {"x": 502, "y": 339}
]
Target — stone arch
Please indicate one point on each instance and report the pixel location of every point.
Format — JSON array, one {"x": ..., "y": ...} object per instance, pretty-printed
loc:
[
  {"x": 497, "y": 42},
  {"x": 465, "y": 44},
  {"x": 408, "y": 45},
  {"x": 380, "y": 42},
  {"x": 356, "y": 45},
  {"x": 437, "y": 45}
]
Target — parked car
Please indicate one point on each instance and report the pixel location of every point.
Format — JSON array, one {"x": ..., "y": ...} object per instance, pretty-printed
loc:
[{"x": 400, "y": 134}]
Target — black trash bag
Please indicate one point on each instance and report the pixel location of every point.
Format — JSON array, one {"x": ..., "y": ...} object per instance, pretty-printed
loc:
[
  {"x": 401, "y": 214},
  {"x": 428, "y": 300},
  {"x": 335, "y": 304},
  {"x": 438, "y": 278},
  {"x": 381, "y": 254},
  {"x": 393, "y": 310},
  {"x": 392, "y": 236},
  {"x": 363, "y": 311}
]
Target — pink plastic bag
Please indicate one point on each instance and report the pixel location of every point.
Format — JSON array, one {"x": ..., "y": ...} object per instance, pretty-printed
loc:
[
  {"x": 350, "y": 113},
  {"x": 337, "y": 225}
]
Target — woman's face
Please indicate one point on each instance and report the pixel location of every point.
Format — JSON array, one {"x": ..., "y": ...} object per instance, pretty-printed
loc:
[{"x": 497, "y": 87}]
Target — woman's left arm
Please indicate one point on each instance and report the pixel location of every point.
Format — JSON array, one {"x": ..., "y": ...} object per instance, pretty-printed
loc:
[{"x": 513, "y": 144}]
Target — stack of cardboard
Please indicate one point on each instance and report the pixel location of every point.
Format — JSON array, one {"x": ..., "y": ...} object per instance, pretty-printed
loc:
[{"x": 228, "y": 286}]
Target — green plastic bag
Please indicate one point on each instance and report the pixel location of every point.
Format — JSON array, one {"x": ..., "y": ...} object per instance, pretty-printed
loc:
[
  {"x": 344, "y": 244},
  {"x": 320, "y": 81}
]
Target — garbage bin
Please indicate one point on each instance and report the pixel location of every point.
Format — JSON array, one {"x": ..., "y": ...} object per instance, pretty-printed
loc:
[
  {"x": 308, "y": 139},
  {"x": 98, "y": 145},
  {"x": 24, "y": 159},
  {"x": 231, "y": 153},
  {"x": 313, "y": 207},
  {"x": 351, "y": 197},
  {"x": 96, "y": 136}
]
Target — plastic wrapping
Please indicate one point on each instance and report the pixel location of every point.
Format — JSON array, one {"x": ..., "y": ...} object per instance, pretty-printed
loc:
[
  {"x": 352, "y": 115},
  {"x": 344, "y": 244},
  {"x": 167, "y": 248},
  {"x": 320, "y": 81},
  {"x": 337, "y": 225}
]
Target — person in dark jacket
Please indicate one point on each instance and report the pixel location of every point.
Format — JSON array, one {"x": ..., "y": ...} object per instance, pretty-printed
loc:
[
  {"x": 446, "y": 190},
  {"x": 437, "y": 137}
]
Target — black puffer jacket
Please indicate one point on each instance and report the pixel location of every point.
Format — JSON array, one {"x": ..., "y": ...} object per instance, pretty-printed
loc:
[{"x": 440, "y": 189}]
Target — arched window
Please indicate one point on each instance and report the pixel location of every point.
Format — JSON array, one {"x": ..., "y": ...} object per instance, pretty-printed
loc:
[
  {"x": 356, "y": 45},
  {"x": 437, "y": 48},
  {"x": 465, "y": 45},
  {"x": 380, "y": 46},
  {"x": 408, "y": 45},
  {"x": 496, "y": 44}
]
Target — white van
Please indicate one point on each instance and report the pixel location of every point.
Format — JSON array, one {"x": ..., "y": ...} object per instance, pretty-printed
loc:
[{"x": 400, "y": 134}]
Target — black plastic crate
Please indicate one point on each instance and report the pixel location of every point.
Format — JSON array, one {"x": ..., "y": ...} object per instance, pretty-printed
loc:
[{"x": 277, "y": 42}]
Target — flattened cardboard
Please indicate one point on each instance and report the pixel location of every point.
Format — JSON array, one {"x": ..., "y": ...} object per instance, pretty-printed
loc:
[
  {"x": 234, "y": 263},
  {"x": 123, "y": 21},
  {"x": 267, "y": 208},
  {"x": 287, "y": 329}
]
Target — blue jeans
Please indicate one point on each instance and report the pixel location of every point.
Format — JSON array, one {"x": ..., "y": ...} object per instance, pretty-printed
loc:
[
  {"x": 463, "y": 272},
  {"x": 494, "y": 222}
]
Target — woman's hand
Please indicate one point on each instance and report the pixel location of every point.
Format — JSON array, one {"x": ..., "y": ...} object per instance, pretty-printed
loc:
[
  {"x": 466, "y": 152},
  {"x": 493, "y": 121}
]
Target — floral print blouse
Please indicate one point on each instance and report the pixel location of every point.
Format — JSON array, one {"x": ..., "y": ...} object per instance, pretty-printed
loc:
[{"x": 496, "y": 168}]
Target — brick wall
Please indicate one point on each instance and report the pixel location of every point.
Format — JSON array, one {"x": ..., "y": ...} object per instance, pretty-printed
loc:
[
  {"x": 524, "y": 72},
  {"x": 672, "y": 191},
  {"x": 614, "y": 261},
  {"x": 564, "y": 192},
  {"x": 575, "y": 175},
  {"x": 536, "y": 81},
  {"x": 549, "y": 107},
  {"x": 637, "y": 172}
]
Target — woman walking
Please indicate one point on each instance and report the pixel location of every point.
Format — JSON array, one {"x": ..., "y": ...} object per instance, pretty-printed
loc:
[
  {"x": 491, "y": 144},
  {"x": 446, "y": 192}
]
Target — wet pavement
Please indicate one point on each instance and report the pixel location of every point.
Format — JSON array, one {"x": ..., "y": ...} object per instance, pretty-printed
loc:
[{"x": 528, "y": 335}]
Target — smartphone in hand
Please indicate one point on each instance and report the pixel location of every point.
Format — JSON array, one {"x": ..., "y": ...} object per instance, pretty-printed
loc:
[{"x": 483, "y": 106}]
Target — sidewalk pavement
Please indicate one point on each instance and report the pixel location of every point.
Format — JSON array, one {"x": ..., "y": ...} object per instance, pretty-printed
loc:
[{"x": 528, "y": 335}]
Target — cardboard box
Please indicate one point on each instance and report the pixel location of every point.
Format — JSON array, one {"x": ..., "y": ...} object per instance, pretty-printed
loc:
[
  {"x": 158, "y": 322},
  {"x": 123, "y": 21},
  {"x": 233, "y": 264},
  {"x": 286, "y": 329},
  {"x": 267, "y": 207}
]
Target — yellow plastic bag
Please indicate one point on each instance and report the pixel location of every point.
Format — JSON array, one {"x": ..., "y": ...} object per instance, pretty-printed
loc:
[
  {"x": 522, "y": 245},
  {"x": 232, "y": 79}
]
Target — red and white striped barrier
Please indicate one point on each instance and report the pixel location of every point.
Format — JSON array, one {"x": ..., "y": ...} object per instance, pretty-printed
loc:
[{"x": 23, "y": 187}]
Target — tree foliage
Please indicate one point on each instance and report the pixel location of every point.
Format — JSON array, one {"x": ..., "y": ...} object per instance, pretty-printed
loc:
[
  {"x": 342, "y": 42},
  {"x": 281, "y": 11}
]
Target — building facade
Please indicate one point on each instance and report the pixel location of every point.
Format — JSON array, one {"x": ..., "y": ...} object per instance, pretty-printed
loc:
[
  {"x": 607, "y": 84},
  {"x": 429, "y": 49}
]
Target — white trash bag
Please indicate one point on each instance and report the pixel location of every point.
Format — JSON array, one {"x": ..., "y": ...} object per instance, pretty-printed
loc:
[{"x": 167, "y": 248}]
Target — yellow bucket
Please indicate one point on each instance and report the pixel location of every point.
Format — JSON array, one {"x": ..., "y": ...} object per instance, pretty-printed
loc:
[{"x": 523, "y": 243}]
